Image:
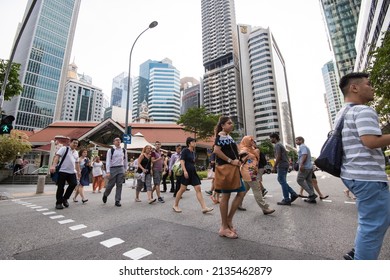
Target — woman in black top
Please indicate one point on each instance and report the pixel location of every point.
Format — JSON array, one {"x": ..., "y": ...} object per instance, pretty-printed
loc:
[
  {"x": 227, "y": 153},
  {"x": 190, "y": 177},
  {"x": 144, "y": 167}
]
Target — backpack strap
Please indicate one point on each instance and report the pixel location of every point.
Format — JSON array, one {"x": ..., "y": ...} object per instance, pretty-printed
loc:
[
  {"x": 124, "y": 152},
  {"x": 63, "y": 158}
]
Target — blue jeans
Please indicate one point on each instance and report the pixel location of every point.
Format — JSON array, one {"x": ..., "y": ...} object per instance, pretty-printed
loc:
[
  {"x": 282, "y": 179},
  {"x": 373, "y": 205}
]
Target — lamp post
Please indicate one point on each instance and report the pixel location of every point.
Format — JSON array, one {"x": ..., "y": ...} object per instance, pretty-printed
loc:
[{"x": 151, "y": 25}]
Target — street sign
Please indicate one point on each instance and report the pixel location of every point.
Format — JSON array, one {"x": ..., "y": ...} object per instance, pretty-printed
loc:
[{"x": 126, "y": 138}]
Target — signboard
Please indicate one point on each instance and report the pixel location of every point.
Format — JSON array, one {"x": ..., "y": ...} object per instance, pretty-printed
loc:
[{"x": 126, "y": 138}]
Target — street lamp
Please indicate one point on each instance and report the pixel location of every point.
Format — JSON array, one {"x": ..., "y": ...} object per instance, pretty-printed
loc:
[{"x": 151, "y": 25}]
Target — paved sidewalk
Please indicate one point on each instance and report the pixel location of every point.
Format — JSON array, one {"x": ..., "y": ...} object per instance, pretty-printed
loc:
[{"x": 14, "y": 191}]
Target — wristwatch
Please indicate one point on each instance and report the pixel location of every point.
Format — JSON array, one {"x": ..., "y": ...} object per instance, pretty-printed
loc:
[{"x": 229, "y": 160}]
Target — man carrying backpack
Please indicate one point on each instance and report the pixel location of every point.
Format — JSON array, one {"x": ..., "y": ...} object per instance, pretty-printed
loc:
[
  {"x": 116, "y": 166},
  {"x": 363, "y": 166}
]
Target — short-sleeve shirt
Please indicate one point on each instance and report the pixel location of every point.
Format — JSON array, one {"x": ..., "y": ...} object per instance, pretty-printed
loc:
[
  {"x": 280, "y": 149},
  {"x": 228, "y": 147},
  {"x": 69, "y": 163},
  {"x": 304, "y": 150},
  {"x": 189, "y": 160},
  {"x": 360, "y": 162},
  {"x": 158, "y": 165}
]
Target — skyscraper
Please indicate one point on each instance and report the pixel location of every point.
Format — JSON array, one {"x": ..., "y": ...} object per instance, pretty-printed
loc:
[
  {"x": 119, "y": 91},
  {"x": 333, "y": 96},
  {"x": 341, "y": 18},
  {"x": 158, "y": 85},
  {"x": 43, "y": 52},
  {"x": 221, "y": 81},
  {"x": 265, "y": 94},
  {"x": 82, "y": 101}
]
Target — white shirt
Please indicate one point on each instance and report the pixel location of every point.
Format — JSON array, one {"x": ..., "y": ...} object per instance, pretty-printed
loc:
[{"x": 69, "y": 164}]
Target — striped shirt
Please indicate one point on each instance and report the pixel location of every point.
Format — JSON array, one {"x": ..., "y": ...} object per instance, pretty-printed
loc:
[{"x": 360, "y": 162}]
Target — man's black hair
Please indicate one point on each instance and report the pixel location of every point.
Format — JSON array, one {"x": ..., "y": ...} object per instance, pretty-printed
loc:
[
  {"x": 274, "y": 135},
  {"x": 345, "y": 81}
]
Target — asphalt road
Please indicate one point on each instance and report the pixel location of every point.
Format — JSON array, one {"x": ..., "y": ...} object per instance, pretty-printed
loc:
[{"x": 29, "y": 230}]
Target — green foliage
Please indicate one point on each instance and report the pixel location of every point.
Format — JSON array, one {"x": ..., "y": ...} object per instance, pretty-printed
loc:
[
  {"x": 12, "y": 145},
  {"x": 199, "y": 122},
  {"x": 13, "y": 86},
  {"x": 293, "y": 155},
  {"x": 267, "y": 148},
  {"x": 380, "y": 78}
]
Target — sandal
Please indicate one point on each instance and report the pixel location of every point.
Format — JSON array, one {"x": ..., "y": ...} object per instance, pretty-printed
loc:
[
  {"x": 176, "y": 209},
  {"x": 215, "y": 201},
  {"x": 152, "y": 201},
  {"x": 227, "y": 233},
  {"x": 302, "y": 196},
  {"x": 137, "y": 200},
  {"x": 324, "y": 197},
  {"x": 207, "y": 209},
  {"x": 75, "y": 200}
]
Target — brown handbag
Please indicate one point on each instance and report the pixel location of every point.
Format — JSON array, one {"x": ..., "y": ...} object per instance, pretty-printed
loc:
[{"x": 227, "y": 177}]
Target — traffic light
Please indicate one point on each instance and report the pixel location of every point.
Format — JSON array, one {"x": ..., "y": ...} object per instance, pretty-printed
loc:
[{"x": 6, "y": 124}]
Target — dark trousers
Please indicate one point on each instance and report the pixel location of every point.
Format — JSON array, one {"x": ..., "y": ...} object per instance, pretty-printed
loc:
[
  {"x": 164, "y": 181},
  {"x": 63, "y": 177},
  {"x": 172, "y": 178}
]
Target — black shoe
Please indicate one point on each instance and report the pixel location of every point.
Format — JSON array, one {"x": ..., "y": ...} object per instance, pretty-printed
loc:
[
  {"x": 164, "y": 191},
  {"x": 59, "y": 206},
  {"x": 65, "y": 203},
  {"x": 161, "y": 199},
  {"x": 283, "y": 202},
  {"x": 104, "y": 199},
  {"x": 350, "y": 255},
  {"x": 118, "y": 204},
  {"x": 294, "y": 197},
  {"x": 308, "y": 200},
  {"x": 209, "y": 192},
  {"x": 241, "y": 208},
  {"x": 84, "y": 200}
]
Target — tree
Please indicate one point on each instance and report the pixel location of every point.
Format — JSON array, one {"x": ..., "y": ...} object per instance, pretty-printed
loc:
[
  {"x": 380, "y": 78},
  {"x": 13, "y": 86},
  {"x": 267, "y": 148},
  {"x": 199, "y": 122},
  {"x": 12, "y": 145}
]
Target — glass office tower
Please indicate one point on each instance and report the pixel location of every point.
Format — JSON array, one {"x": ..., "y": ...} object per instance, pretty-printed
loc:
[{"x": 43, "y": 52}]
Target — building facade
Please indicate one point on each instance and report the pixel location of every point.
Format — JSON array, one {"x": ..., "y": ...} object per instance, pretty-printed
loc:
[
  {"x": 82, "y": 101},
  {"x": 333, "y": 97},
  {"x": 119, "y": 91},
  {"x": 191, "y": 92},
  {"x": 341, "y": 18},
  {"x": 221, "y": 80},
  {"x": 374, "y": 19},
  {"x": 265, "y": 94},
  {"x": 43, "y": 52},
  {"x": 162, "y": 92}
]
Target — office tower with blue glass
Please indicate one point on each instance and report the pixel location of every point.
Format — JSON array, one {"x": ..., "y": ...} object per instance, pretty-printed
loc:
[{"x": 44, "y": 53}]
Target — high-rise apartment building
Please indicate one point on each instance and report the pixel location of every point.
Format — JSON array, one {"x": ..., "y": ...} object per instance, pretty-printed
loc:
[
  {"x": 43, "y": 52},
  {"x": 158, "y": 85},
  {"x": 82, "y": 101},
  {"x": 333, "y": 97},
  {"x": 374, "y": 19},
  {"x": 341, "y": 17},
  {"x": 265, "y": 94},
  {"x": 221, "y": 80}
]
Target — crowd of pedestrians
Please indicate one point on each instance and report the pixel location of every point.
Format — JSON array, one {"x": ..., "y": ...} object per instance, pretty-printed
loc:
[{"x": 238, "y": 168}]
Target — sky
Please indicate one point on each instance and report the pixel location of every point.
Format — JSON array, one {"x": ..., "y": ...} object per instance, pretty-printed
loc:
[{"x": 106, "y": 31}]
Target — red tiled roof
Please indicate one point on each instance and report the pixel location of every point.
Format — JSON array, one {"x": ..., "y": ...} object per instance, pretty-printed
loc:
[{"x": 167, "y": 134}]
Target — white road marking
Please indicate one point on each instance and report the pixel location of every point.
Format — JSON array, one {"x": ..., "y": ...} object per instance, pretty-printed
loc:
[
  {"x": 77, "y": 227},
  {"x": 92, "y": 234},
  {"x": 42, "y": 209},
  {"x": 112, "y": 242},
  {"x": 137, "y": 253},
  {"x": 36, "y": 207},
  {"x": 31, "y": 205},
  {"x": 326, "y": 200},
  {"x": 49, "y": 213},
  {"x": 349, "y": 202},
  {"x": 66, "y": 221},
  {"x": 57, "y": 217}
]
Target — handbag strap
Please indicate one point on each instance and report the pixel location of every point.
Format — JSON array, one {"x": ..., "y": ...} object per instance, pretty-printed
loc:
[{"x": 63, "y": 158}]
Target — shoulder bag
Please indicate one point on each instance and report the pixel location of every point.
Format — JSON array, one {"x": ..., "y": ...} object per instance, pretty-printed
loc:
[{"x": 54, "y": 176}]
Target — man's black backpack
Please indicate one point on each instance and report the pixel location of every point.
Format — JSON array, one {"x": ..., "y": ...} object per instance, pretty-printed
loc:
[
  {"x": 331, "y": 156},
  {"x": 113, "y": 150}
]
